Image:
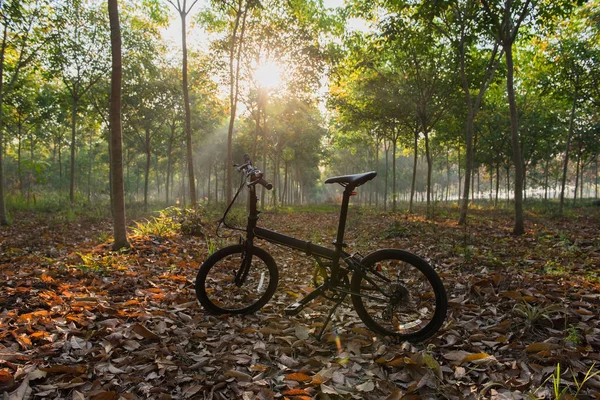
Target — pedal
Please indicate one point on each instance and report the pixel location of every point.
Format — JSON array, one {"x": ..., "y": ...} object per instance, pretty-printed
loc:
[{"x": 294, "y": 309}]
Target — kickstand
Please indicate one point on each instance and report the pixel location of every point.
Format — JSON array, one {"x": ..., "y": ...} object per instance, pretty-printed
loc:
[{"x": 337, "y": 304}]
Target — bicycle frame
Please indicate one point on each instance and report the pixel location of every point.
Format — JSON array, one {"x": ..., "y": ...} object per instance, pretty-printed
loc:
[{"x": 311, "y": 249}]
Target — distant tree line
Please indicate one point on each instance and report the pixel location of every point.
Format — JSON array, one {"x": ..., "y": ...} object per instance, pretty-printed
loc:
[{"x": 448, "y": 101}]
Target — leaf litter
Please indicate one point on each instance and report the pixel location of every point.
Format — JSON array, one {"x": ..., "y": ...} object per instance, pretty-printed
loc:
[{"x": 79, "y": 321}]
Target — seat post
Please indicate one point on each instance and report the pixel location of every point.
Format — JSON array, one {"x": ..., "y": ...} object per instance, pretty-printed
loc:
[{"x": 339, "y": 241}]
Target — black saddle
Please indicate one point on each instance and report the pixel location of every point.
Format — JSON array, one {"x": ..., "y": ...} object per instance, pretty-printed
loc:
[{"x": 352, "y": 181}]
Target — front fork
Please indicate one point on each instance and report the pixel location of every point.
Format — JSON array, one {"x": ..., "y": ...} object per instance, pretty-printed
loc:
[{"x": 242, "y": 272}]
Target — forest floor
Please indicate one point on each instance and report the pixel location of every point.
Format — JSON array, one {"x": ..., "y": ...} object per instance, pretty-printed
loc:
[{"x": 79, "y": 321}]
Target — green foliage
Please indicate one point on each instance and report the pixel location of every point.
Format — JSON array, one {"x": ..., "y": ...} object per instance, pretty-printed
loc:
[
  {"x": 559, "y": 393},
  {"x": 396, "y": 230},
  {"x": 191, "y": 220},
  {"x": 162, "y": 226},
  {"x": 533, "y": 314},
  {"x": 99, "y": 264}
]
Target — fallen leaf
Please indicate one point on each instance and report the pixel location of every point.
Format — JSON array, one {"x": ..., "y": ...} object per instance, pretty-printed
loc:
[
  {"x": 541, "y": 346},
  {"x": 298, "y": 376}
]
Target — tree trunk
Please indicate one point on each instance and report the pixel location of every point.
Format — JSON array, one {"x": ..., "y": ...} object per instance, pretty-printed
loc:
[
  {"x": 188, "y": 114},
  {"x": 447, "y": 173},
  {"x": 387, "y": 171},
  {"x": 234, "y": 50},
  {"x": 170, "y": 164},
  {"x": 414, "y": 174},
  {"x": 3, "y": 215},
  {"x": 546, "y": 173},
  {"x": 429, "y": 171},
  {"x": 116, "y": 142},
  {"x": 519, "y": 227},
  {"x": 459, "y": 177},
  {"x": 395, "y": 144},
  {"x": 577, "y": 166},
  {"x": 90, "y": 169},
  {"x": 567, "y": 150},
  {"x": 497, "y": 185},
  {"x": 19, "y": 171},
  {"x": 147, "y": 168},
  {"x": 377, "y": 185},
  {"x": 73, "y": 129},
  {"x": 596, "y": 193}
]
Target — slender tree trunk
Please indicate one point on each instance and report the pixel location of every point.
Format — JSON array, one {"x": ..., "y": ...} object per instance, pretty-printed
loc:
[
  {"x": 377, "y": 184},
  {"x": 429, "y": 171},
  {"x": 497, "y": 185},
  {"x": 459, "y": 177},
  {"x": 73, "y": 129},
  {"x": 447, "y": 173},
  {"x": 234, "y": 52},
  {"x": 491, "y": 172},
  {"x": 596, "y": 192},
  {"x": 414, "y": 174},
  {"x": 395, "y": 144},
  {"x": 546, "y": 173},
  {"x": 507, "y": 183},
  {"x": 567, "y": 151},
  {"x": 216, "y": 183},
  {"x": 387, "y": 172},
  {"x": 3, "y": 214},
  {"x": 90, "y": 169},
  {"x": 147, "y": 168},
  {"x": 469, "y": 152},
  {"x": 285, "y": 184},
  {"x": 188, "y": 114},
  {"x": 170, "y": 164},
  {"x": 519, "y": 227},
  {"x": 19, "y": 171},
  {"x": 116, "y": 142},
  {"x": 577, "y": 166}
]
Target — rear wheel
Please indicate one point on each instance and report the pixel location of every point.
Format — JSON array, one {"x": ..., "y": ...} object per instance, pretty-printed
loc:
[
  {"x": 399, "y": 295},
  {"x": 215, "y": 283}
]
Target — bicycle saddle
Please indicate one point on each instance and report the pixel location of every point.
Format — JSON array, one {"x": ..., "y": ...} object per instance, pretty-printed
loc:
[{"x": 352, "y": 180}]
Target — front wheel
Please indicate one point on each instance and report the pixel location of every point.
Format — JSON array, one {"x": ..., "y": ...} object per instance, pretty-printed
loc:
[
  {"x": 399, "y": 294},
  {"x": 217, "y": 290}
]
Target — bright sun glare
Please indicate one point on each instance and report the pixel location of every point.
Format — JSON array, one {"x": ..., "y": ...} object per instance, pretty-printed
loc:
[{"x": 268, "y": 75}]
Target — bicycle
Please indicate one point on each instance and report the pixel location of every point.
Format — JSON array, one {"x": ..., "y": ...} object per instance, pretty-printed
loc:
[{"x": 395, "y": 293}]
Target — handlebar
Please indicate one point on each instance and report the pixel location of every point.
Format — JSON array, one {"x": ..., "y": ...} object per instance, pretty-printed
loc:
[{"x": 256, "y": 176}]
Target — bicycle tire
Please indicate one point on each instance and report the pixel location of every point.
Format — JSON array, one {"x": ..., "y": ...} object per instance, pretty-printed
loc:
[
  {"x": 215, "y": 287},
  {"x": 411, "y": 282}
]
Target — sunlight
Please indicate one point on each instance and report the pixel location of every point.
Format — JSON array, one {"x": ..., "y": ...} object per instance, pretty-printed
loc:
[{"x": 268, "y": 75}]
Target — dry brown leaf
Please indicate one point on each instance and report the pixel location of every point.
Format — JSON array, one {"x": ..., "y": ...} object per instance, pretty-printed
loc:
[
  {"x": 542, "y": 346},
  {"x": 66, "y": 369},
  {"x": 105, "y": 396},
  {"x": 144, "y": 332}
]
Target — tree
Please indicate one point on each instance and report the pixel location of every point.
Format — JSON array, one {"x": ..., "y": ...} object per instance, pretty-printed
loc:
[
  {"x": 116, "y": 141},
  {"x": 183, "y": 10},
  {"x": 23, "y": 36},
  {"x": 79, "y": 56},
  {"x": 506, "y": 20}
]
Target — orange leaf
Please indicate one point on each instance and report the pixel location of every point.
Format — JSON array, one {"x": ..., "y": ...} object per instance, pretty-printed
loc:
[
  {"x": 298, "y": 376},
  {"x": 296, "y": 392}
]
